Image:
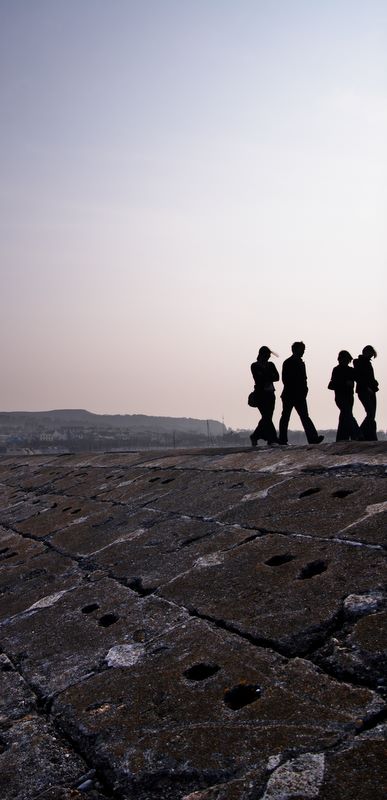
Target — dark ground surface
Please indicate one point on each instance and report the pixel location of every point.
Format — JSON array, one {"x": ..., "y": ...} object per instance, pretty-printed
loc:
[{"x": 194, "y": 625}]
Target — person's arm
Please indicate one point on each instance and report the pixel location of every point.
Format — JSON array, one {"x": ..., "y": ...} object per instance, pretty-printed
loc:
[
  {"x": 373, "y": 382},
  {"x": 303, "y": 381},
  {"x": 350, "y": 379},
  {"x": 258, "y": 374},
  {"x": 331, "y": 384},
  {"x": 286, "y": 378}
]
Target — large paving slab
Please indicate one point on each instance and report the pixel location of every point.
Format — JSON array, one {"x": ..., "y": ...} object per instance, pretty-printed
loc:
[
  {"x": 200, "y": 707},
  {"x": 318, "y": 505},
  {"x": 71, "y": 634},
  {"x": 170, "y": 548},
  {"x": 194, "y": 625},
  {"x": 33, "y": 757},
  {"x": 28, "y": 571},
  {"x": 96, "y": 534},
  {"x": 287, "y": 592},
  {"x": 358, "y": 771}
]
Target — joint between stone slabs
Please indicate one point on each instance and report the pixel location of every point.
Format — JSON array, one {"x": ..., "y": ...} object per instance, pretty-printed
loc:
[
  {"x": 49, "y": 483},
  {"x": 94, "y": 770},
  {"x": 372, "y": 722},
  {"x": 78, "y": 560},
  {"x": 314, "y": 538},
  {"x": 289, "y": 654},
  {"x": 266, "y": 644}
]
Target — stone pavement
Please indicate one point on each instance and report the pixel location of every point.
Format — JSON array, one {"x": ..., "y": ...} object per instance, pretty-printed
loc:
[{"x": 194, "y": 625}]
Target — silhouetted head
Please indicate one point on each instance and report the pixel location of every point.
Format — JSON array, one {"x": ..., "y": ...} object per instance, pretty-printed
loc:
[
  {"x": 264, "y": 353},
  {"x": 298, "y": 349},
  {"x": 369, "y": 351},
  {"x": 344, "y": 357}
]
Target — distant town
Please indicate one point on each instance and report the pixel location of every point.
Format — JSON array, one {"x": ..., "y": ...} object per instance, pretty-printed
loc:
[{"x": 69, "y": 431}]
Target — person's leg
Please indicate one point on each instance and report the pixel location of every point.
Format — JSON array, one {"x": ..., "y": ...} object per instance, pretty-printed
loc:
[
  {"x": 340, "y": 435},
  {"x": 267, "y": 410},
  {"x": 259, "y": 432},
  {"x": 287, "y": 406},
  {"x": 353, "y": 428},
  {"x": 344, "y": 426},
  {"x": 312, "y": 436},
  {"x": 255, "y": 435},
  {"x": 363, "y": 397},
  {"x": 368, "y": 426}
]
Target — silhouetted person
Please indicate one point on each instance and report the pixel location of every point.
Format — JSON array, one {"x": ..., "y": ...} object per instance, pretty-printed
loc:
[
  {"x": 294, "y": 396},
  {"x": 342, "y": 382},
  {"x": 366, "y": 388},
  {"x": 265, "y": 374}
]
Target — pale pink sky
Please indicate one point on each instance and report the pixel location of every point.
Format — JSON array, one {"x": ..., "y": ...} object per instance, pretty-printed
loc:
[{"x": 181, "y": 183}]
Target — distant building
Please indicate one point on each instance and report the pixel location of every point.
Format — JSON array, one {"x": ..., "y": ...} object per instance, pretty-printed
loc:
[{"x": 52, "y": 436}]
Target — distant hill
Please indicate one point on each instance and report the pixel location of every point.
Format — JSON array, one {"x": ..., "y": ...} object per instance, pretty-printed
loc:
[{"x": 80, "y": 418}]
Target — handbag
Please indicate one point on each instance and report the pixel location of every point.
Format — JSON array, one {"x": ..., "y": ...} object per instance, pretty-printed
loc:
[{"x": 252, "y": 400}]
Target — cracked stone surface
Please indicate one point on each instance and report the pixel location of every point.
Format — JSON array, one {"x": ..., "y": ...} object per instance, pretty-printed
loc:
[
  {"x": 33, "y": 756},
  {"x": 285, "y": 592},
  {"x": 194, "y": 625},
  {"x": 65, "y": 641}
]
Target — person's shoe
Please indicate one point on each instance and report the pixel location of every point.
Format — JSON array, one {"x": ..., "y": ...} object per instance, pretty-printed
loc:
[
  {"x": 318, "y": 440},
  {"x": 253, "y": 441}
]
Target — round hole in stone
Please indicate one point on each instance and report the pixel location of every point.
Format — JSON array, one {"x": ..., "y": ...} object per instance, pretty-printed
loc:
[
  {"x": 308, "y": 492},
  {"x": 168, "y": 480},
  {"x": 90, "y": 608},
  {"x": 139, "y": 635},
  {"x": 276, "y": 561},
  {"x": 107, "y": 620},
  {"x": 312, "y": 569},
  {"x": 342, "y": 493},
  {"x": 153, "y": 480},
  {"x": 242, "y": 695},
  {"x": 6, "y": 667},
  {"x": 76, "y": 511},
  {"x": 200, "y": 672}
]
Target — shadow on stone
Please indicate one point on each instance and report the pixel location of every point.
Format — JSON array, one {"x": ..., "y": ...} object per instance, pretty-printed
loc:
[
  {"x": 242, "y": 695},
  {"x": 312, "y": 569},
  {"x": 200, "y": 672}
]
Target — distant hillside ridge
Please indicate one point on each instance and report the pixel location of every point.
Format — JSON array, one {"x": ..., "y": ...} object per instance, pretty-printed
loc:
[{"x": 72, "y": 418}]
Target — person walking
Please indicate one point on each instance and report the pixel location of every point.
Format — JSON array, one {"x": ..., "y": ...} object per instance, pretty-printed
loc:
[
  {"x": 366, "y": 388},
  {"x": 342, "y": 383},
  {"x": 265, "y": 374},
  {"x": 294, "y": 396}
]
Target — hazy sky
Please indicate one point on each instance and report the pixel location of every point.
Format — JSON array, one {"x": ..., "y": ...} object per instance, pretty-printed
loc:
[{"x": 182, "y": 181}]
